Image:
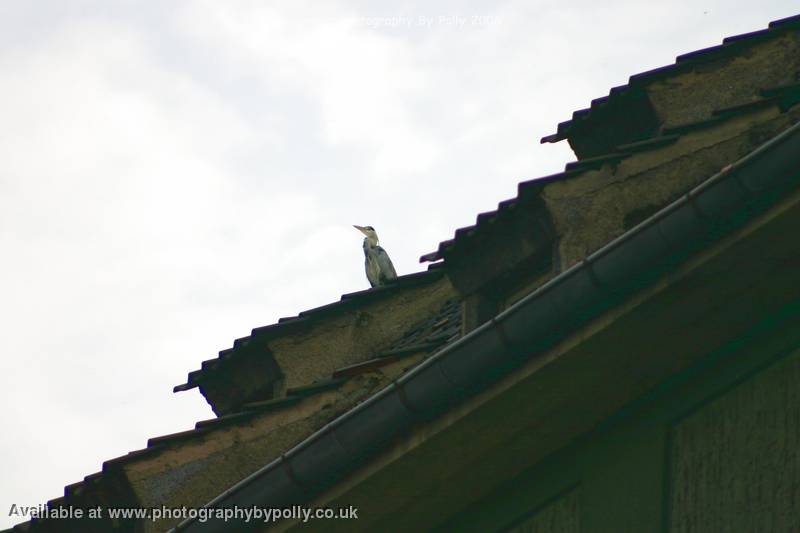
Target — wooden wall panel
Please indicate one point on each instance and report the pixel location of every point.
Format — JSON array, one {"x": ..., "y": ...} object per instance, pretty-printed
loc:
[{"x": 735, "y": 462}]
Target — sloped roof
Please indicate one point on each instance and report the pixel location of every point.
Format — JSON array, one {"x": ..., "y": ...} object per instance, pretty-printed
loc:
[
  {"x": 730, "y": 46},
  {"x": 288, "y": 324},
  {"x": 426, "y": 336},
  {"x": 705, "y": 214},
  {"x": 438, "y": 333},
  {"x": 783, "y": 96}
]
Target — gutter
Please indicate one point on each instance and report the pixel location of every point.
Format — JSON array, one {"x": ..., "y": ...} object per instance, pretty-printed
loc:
[{"x": 529, "y": 326}]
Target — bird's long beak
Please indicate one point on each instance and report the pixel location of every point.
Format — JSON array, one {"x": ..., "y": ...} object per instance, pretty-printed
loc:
[{"x": 361, "y": 229}]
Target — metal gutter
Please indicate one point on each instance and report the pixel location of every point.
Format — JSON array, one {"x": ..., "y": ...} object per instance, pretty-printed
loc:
[{"x": 551, "y": 312}]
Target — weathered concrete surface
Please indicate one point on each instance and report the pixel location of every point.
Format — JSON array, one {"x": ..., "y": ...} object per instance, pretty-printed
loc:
[
  {"x": 302, "y": 353},
  {"x": 593, "y": 208},
  {"x": 355, "y": 335},
  {"x": 688, "y": 92},
  {"x": 193, "y": 472},
  {"x": 693, "y": 95}
]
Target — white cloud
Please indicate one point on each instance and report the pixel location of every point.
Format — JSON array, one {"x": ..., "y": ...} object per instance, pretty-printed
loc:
[{"x": 362, "y": 84}]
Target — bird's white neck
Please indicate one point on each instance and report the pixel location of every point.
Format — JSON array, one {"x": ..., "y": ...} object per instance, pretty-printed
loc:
[{"x": 371, "y": 241}]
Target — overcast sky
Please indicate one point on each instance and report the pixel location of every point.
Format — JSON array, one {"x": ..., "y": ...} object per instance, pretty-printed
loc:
[{"x": 173, "y": 174}]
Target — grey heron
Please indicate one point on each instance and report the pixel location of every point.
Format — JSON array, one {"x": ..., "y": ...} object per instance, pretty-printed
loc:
[{"x": 376, "y": 261}]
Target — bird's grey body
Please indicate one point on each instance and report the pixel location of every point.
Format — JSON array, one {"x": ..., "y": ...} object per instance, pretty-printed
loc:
[{"x": 377, "y": 264}]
